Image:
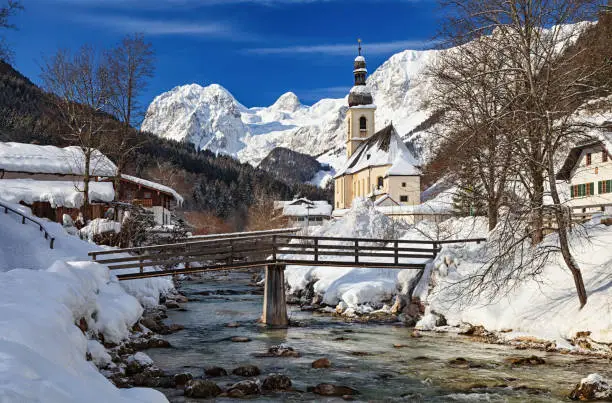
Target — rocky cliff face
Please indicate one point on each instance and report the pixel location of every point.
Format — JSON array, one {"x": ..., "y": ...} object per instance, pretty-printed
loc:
[
  {"x": 290, "y": 166},
  {"x": 211, "y": 118}
]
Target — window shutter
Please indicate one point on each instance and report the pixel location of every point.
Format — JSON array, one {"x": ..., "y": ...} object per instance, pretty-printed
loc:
[
  {"x": 572, "y": 192},
  {"x": 592, "y": 189},
  {"x": 600, "y": 187}
]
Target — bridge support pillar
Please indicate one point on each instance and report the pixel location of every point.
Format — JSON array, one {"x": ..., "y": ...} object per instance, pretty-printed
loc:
[{"x": 275, "y": 305}]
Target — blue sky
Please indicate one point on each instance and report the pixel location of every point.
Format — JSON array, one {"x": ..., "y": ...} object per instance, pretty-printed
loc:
[{"x": 257, "y": 49}]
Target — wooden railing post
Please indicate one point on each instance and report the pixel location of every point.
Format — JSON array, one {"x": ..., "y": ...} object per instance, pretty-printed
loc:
[
  {"x": 274, "y": 248},
  {"x": 141, "y": 260},
  {"x": 231, "y": 256},
  {"x": 316, "y": 250},
  {"x": 435, "y": 250},
  {"x": 396, "y": 252},
  {"x": 356, "y": 251}
]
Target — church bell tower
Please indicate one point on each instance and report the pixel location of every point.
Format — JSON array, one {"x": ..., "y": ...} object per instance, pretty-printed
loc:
[{"x": 360, "y": 117}]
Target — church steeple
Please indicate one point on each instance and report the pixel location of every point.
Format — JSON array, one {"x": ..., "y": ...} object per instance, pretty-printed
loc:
[
  {"x": 360, "y": 116},
  {"x": 360, "y": 94},
  {"x": 359, "y": 67}
]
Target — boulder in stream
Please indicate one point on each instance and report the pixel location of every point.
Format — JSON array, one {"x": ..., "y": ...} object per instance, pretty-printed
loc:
[
  {"x": 327, "y": 389},
  {"x": 321, "y": 363},
  {"x": 532, "y": 360},
  {"x": 593, "y": 387},
  {"x": 215, "y": 372},
  {"x": 202, "y": 388},
  {"x": 281, "y": 350},
  {"x": 240, "y": 339},
  {"x": 276, "y": 382},
  {"x": 182, "y": 379},
  {"x": 247, "y": 371},
  {"x": 244, "y": 388}
]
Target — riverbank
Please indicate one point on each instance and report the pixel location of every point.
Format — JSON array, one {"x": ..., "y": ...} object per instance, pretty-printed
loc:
[{"x": 380, "y": 361}]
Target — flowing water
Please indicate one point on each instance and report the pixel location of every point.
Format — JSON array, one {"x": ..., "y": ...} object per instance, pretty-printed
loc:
[{"x": 363, "y": 356}]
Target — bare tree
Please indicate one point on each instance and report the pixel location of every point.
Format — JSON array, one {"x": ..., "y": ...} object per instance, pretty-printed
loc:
[
  {"x": 80, "y": 84},
  {"x": 542, "y": 88},
  {"x": 469, "y": 83},
  {"x": 131, "y": 65},
  {"x": 6, "y": 12}
]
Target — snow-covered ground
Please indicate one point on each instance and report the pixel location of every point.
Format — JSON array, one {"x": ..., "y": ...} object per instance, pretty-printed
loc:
[
  {"x": 43, "y": 294},
  {"x": 546, "y": 309}
]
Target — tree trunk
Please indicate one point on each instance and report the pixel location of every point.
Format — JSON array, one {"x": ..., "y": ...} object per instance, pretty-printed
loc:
[
  {"x": 86, "y": 178},
  {"x": 537, "y": 212},
  {"x": 563, "y": 225},
  {"x": 492, "y": 213}
]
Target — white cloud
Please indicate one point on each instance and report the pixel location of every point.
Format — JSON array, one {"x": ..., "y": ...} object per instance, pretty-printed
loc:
[
  {"x": 158, "y": 27},
  {"x": 344, "y": 49}
]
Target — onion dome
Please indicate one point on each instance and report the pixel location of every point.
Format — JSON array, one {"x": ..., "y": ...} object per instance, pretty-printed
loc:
[{"x": 360, "y": 93}]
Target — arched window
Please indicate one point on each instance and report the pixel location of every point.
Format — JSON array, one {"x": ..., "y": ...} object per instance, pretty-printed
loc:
[
  {"x": 363, "y": 123},
  {"x": 379, "y": 182}
]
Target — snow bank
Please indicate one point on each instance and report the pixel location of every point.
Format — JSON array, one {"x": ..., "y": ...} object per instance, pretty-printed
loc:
[
  {"x": 547, "y": 308},
  {"x": 353, "y": 286},
  {"x": 42, "y": 351},
  {"x": 58, "y": 193},
  {"x": 99, "y": 226}
]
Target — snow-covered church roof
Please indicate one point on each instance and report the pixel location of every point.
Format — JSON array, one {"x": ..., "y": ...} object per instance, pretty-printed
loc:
[
  {"x": 385, "y": 147},
  {"x": 32, "y": 158}
]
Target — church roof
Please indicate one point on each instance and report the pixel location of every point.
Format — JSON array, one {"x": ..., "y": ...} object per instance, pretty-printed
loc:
[{"x": 384, "y": 147}]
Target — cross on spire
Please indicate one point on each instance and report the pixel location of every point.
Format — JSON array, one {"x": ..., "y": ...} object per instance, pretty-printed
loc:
[{"x": 359, "y": 48}]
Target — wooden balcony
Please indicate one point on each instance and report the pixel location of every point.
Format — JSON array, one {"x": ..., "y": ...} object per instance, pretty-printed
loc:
[{"x": 143, "y": 202}]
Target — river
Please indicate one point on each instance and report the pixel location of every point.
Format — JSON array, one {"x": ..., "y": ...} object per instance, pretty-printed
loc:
[{"x": 363, "y": 356}]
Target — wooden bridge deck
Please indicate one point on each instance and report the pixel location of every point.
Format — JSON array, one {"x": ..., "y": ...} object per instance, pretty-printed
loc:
[
  {"x": 274, "y": 250},
  {"x": 258, "y": 250}
]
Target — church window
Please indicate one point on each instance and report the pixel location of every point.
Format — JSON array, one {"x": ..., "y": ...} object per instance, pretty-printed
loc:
[
  {"x": 403, "y": 199},
  {"x": 379, "y": 182},
  {"x": 363, "y": 123},
  {"x": 403, "y": 184},
  {"x": 588, "y": 159}
]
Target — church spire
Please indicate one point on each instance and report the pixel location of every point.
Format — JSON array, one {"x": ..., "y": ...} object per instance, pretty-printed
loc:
[
  {"x": 359, "y": 67},
  {"x": 360, "y": 94}
]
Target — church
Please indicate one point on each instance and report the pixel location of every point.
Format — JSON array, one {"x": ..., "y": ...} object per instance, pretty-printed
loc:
[{"x": 379, "y": 166}]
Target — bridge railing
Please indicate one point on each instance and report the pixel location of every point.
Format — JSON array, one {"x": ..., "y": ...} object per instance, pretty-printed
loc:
[
  {"x": 266, "y": 249},
  {"x": 25, "y": 218}
]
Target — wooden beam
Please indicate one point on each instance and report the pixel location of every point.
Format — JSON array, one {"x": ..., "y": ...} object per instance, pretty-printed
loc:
[{"x": 274, "y": 304}]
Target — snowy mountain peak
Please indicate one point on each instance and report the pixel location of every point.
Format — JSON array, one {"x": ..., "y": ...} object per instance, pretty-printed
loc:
[
  {"x": 288, "y": 102},
  {"x": 210, "y": 117}
]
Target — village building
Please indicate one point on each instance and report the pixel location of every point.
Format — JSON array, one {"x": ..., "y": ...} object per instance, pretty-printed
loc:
[
  {"x": 588, "y": 170},
  {"x": 50, "y": 180},
  {"x": 302, "y": 212},
  {"x": 379, "y": 166},
  {"x": 159, "y": 199}
]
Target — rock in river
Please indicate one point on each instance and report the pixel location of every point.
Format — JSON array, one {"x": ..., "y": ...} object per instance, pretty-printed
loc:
[
  {"x": 215, "y": 371},
  {"x": 593, "y": 387},
  {"x": 240, "y": 339},
  {"x": 321, "y": 363},
  {"x": 276, "y": 382},
  {"x": 202, "y": 388},
  {"x": 327, "y": 389},
  {"x": 533, "y": 360},
  {"x": 243, "y": 388},
  {"x": 246, "y": 371}
]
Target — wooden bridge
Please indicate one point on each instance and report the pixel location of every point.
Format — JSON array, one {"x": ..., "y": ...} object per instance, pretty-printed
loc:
[{"x": 273, "y": 250}]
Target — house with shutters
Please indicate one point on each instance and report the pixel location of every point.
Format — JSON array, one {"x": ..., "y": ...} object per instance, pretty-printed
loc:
[{"x": 588, "y": 170}]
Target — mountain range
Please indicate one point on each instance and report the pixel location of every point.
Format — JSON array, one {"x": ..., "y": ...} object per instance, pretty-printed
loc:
[{"x": 211, "y": 118}]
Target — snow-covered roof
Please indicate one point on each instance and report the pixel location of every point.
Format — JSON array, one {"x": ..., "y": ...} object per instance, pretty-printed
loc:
[
  {"x": 32, "y": 158},
  {"x": 303, "y": 207},
  {"x": 360, "y": 70},
  {"x": 360, "y": 90},
  {"x": 360, "y": 59},
  {"x": 154, "y": 185},
  {"x": 383, "y": 148},
  {"x": 57, "y": 193},
  {"x": 600, "y": 137},
  {"x": 385, "y": 200}
]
